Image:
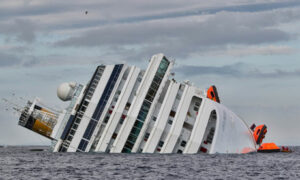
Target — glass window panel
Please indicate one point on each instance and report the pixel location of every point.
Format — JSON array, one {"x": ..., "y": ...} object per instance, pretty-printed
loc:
[
  {"x": 138, "y": 124},
  {"x": 129, "y": 145},
  {"x": 132, "y": 138},
  {"x": 149, "y": 98}
]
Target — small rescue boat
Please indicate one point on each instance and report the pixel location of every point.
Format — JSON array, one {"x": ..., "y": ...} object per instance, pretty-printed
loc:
[
  {"x": 285, "y": 149},
  {"x": 268, "y": 147}
]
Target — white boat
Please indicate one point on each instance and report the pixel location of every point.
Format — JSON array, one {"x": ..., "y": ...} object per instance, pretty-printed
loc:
[{"x": 124, "y": 109}]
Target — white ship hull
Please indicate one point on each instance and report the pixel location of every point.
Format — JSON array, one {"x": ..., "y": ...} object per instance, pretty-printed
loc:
[{"x": 124, "y": 109}]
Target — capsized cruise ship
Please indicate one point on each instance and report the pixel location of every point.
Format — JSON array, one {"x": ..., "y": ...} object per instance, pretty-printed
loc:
[{"x": 124, "y": 109}]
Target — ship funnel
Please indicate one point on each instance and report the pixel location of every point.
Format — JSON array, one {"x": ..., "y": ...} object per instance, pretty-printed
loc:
[{"x": 65, "y": 91}]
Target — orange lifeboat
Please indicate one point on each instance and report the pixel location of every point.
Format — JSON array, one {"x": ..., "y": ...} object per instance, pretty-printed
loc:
[
  {"x": 212, "y": 94},
  {"x": 268, "y": 147},
  {"x": 259, "y": 133}
]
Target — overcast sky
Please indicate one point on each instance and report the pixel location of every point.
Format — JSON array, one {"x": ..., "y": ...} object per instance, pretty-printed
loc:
[{"x": 249, "y": 49}]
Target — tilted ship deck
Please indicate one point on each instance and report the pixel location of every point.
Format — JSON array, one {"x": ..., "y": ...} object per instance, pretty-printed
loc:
[{"x": 124, "y": 109}]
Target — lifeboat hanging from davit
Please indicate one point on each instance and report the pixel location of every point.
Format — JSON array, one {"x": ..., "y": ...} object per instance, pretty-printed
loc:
[
  {"x": 212, "y": 94},
  {"x": 259, "y": 133}
]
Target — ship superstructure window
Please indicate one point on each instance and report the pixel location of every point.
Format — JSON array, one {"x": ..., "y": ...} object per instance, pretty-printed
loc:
[
  {"x": 160, "y": 144},
  {"x": 74, "y": 121},
  {"x": 209, "y": 133},
  {"x": 114, "y": 136},
  {"x": 183, "y": 143},
  {"x": 146, "y": 136},
  {"x": 170, "y": 120},
  {"x": 72, "y": 106},
  {"x": 127, "y": 105},
  {"x": 135, "y": 131},
  {"x": 172, "y": 113},
  {"x": 197, "y": 105},
  {"x": 188, "y": 124},
  {"x": 155, "y": 112},
  {"x": 122, "y": 119},
  {"x": 109, "y": 112},
  {"x": 72, "y": 132},
  {"x": 125, "y": 111},
  {"x": 106, "y": 119},
  {"x": 100, "y": 107}
]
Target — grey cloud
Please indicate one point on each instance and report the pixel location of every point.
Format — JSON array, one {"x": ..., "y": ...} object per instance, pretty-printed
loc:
[
  {"x": 237, "y": 70},
  {"x": 157, "y": 7},
  {"x": 227, "y": 70},
  {"x": 173, "y": 29},
  {"x": 254, "y": 50},
  {"x": 31, "y": 61},
  {"x": 8, "y": 60},
  {"x": 178, "y": 29},
  {"x": 26, "y": 30},
  {"x": 165, "y": 11},
  {"x": 278, "y": 73},
  {"x": 181, "y": 37},
  {"x": 40, "y": 8},
  {"x": 256, "y": 7},
  {"x": 27, "y": 60},
  {"x": 23, "y": 29}
]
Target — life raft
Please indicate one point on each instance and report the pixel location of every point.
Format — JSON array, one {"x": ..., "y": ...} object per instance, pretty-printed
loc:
[
  {"x": 212, "y": 94},
  {"x": 268, "y": 147}
]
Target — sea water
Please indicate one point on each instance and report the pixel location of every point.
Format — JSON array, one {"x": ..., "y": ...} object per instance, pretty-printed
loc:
[{"x": 24, "y": 163}]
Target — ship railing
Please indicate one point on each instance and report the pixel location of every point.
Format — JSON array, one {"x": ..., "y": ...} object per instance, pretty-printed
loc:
[{"x": 24, "y": 114}]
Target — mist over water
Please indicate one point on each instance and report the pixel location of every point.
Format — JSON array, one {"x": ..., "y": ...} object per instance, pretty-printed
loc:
[{"x": 22, "y": 163}]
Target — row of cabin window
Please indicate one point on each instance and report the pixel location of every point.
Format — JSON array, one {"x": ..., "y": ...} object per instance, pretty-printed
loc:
[
  {"x": 197, "y": 105},
  {"x": 110, "y": 111},
  {"x": 161, "y": 143},
  {"x": 83, "y": 108},
  {"x": 93, "y": 122},
  {"x": 152, "y": 91},
  {"x": 107, "y": 93},
  {"x": 94, "y": 84},
  {"x": 183, "y": 144},
  {"x": 77, "y": 120},
  {"x": 170, "y": 121},
  {"x": 146, "y": 105},
  {"x": 114, "y": 136},
  {"x": 138, "y": 124},
  {"x": 127, "y": 106}
]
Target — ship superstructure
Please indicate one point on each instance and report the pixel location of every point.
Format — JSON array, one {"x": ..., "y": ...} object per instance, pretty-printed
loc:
[{"x": 124, "y": 109}]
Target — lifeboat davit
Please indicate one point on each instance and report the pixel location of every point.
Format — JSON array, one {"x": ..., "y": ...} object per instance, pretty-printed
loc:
[
  {"x": 259, "y": 133},
  {"x": 268, "y": 147},
  {"x": 212, "y": 94}
]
